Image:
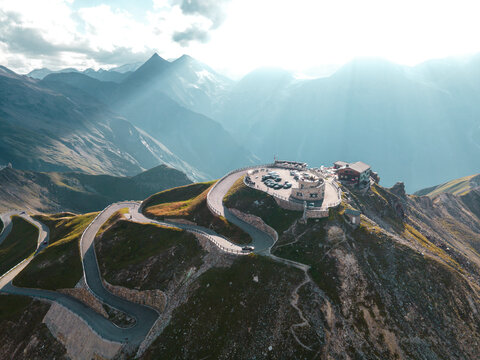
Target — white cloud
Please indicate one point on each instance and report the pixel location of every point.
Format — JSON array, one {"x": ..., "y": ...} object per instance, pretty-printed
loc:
[{"x": 236, "y": 35}]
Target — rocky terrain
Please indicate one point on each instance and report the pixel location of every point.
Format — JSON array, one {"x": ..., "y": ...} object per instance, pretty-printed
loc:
[{"x": 404, "y": 284}]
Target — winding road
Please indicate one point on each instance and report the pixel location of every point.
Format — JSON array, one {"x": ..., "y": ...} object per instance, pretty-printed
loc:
[
  {"x": 145, "y": 316},
  {"x": 262, "y": 241}
]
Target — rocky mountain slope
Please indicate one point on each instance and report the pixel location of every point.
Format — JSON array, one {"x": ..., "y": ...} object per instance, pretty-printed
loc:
[
  {"x": 404, "y": 284},
  {"x": 47, "y": 130},
  {"x": 460, "y": 187},
  {"x": 423, "y": 119},
  {"x": 79, "y": 192},
  {"x": 148, "y": 98}
]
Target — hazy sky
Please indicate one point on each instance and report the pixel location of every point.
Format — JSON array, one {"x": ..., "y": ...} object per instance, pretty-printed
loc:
[{"x": 233, "y": 36}]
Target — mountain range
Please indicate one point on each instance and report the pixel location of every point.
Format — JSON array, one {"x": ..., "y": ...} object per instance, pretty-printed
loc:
[{"x": 415, "y": 124}]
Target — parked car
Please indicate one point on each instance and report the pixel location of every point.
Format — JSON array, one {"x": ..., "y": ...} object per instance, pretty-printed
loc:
[
  {"x": 287, "y": 186},
  {"x": 278, "y": 179},
  {"x": 248, "y": 248},
  {"x": 277, "y": 186}
]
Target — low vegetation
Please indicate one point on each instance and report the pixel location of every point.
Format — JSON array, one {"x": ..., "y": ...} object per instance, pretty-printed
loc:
[
  {"x": 190, "y": 203},
  {"x": 59, "y": 265},
  {"x": 145, "y": 256},
  {"x": 11, "y": 306},
  {"x": 23, "y": 334},
  {"x": 258, "y": 203},
  {"x": 235, "y": 312},
  {"x": 456, "y": 187},
  {"x": 19, "y": 244}
]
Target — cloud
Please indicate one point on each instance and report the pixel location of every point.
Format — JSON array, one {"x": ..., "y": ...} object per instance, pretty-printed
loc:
[
  {"x": 193, "y": 33},
  {"x": 23, "y": 39},
  {"x": 214, "y": 10},
  {"x": 62, "y": 33},
  {"x": 211, "y": 10},
  {"x": 90, "y": 37}
]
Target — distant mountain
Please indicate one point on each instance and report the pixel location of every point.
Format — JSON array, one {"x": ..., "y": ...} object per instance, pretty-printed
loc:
[
  {"x": 101, "y": 74},
  {"x": 106, "y": 75},
  {"x": 185, "y": 80},
  {"x": 419, "y": 125},
  {"x": 197, "y": 139},
  {"x": 258, "y": 93},
  {"x": 459, "y": 187},
  {"x": 127, "y": 67},
  {"x": 48, "y": 130},
  {"x": 78, "y": 192},
  {"x": 41, "y": 73}
]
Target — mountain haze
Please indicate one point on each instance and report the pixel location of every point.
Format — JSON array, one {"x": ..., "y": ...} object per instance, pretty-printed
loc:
[
  {"x": 143, "y": 99},
  {"x": 415, "y": 124},
  {"x": 46, "y": 130},
  {"x": 388, "y": 115}
]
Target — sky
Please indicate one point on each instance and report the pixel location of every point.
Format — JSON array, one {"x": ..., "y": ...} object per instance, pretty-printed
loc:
[{"x": 233, "y": 36}]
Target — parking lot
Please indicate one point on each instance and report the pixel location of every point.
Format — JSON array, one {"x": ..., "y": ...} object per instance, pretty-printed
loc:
[{"x": 284, "y": 174}]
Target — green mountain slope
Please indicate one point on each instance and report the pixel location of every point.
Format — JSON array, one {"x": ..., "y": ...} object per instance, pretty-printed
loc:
[
  {"x": 460, "y": 187},
  {"x": 78, "y": 192}
]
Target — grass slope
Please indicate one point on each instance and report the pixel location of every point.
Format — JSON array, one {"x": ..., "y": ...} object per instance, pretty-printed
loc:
[
  {"x": 59, "y": 265},
  {"x": 11, "y": 306},
  {"x": 258, "y": 203},
  {"x": 190, "y": 202},
  {"x": 230, "y": 315},
  {"x": 53, "y": 191},
  {"x": 456, "y": 187},
  {"x": 19, "y": 244},
  {"x": 145, "y": 256}
]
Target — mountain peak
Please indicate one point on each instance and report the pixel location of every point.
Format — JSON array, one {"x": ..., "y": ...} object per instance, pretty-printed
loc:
[
  {"x": 156, "y": 57},
  {"x": 150, "y": 69},
  {"x": 184, "y": 58}
]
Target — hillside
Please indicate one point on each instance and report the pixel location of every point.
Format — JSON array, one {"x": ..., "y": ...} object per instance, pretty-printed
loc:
[
  {"x": 460, "y": 187},
  {"x": 405, "y": 283},
  {"x": 44, "y": 129},
  {"x": 78, "y": 192},
  {"x": 189, "y": 203},
  {"x": 153, "y": 98}
]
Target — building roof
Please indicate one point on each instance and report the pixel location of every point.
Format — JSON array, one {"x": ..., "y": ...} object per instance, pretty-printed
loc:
[
  {"x": 352, "y": 212},
  {"x": 359, "y": 166},
  {"x": 340, "y": 163}
]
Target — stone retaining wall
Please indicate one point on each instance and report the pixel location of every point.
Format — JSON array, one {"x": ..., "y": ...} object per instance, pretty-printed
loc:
[
  {"x": 80, "y": 341},
  {"x": 289, "y": 205},
  {"x": 153, "y": 298},
  {"x": 256, "y": 222},
  {"x": 316, "y": 214},
  {"x": 87, "y": 298}
]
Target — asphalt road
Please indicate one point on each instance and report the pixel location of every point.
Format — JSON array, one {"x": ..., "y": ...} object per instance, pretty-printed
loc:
[
  {"x": 145, "y": 316},
  {"x": 260, "y": 240}
]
